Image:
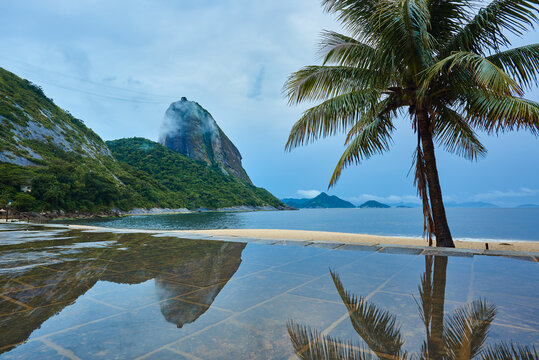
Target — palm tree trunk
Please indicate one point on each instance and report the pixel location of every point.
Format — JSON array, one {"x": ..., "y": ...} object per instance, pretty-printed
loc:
[{"x": 441, "y": 228}]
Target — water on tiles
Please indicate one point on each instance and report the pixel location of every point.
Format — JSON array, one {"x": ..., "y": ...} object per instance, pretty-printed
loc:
[{"x": 101, "y": 295}]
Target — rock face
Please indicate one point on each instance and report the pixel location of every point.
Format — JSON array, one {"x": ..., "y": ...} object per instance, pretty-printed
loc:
[
  {"x": 191, "y": 130},
  {"x": 32, "y": 126}
]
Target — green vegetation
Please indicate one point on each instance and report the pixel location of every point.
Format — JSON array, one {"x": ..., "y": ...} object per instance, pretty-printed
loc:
[
  {"x": 70, "y": 168},
  {"x": 439, "y": 61},
  {"x": 174, "y": 180}
]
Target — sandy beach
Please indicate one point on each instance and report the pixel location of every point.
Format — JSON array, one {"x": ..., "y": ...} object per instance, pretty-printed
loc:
[
  {"x": 346, "y": 238},
  {"x": 364, "y": 239}
]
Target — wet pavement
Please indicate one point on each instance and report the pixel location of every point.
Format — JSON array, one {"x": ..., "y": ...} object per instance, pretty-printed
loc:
[{"x": 78, "y": 294}]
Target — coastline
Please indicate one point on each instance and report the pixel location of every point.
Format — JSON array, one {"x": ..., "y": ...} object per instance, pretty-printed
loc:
[{"x": 332, "y": 237}]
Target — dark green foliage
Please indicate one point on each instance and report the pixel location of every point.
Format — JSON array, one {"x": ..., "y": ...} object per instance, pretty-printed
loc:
[
  {"x": 174, "y": 180},
  {"x": 78, "y": 173}
]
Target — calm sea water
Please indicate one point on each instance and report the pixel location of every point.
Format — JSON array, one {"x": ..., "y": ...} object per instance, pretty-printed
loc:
[{"x": 497, "y": 223}]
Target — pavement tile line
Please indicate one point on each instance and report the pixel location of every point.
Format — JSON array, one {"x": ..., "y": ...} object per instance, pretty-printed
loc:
[
  {"x": 60, "y": 350},
  {"x": 168, "y": 346},
  {"x": 273, "y": 268},
  {"x": 332, "y": 326}
]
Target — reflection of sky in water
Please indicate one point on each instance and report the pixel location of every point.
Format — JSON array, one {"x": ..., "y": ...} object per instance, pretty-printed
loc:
[
  {"x": 519, "y": 224},
  {"x": 141, "y": 295}
]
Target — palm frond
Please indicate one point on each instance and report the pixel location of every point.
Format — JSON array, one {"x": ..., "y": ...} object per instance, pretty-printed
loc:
[
  {"x": 325, "y": 82},
  {"x": 447, "y": 17},
  {"x": 510, "y": 352},
  {"x": 355, "y": 15},
  {"x": 486, "y": 29},
  {"x": 345, "y": 51},
  {"x": 455, "y": 135},
  {"x": 331, "y": 117},
  {"x": 421, "y": 184},
  {"x": 495, "y": 113},
  {"x": 374, "y": 137},
  {"x": 486, "y": 75},
  {"x": 378, "y": 328},
  {"x": 521, "y": 63},
  {"x": 467, "y": 329},
  {"x": 400, "y": 29},
  {"x": 309, "y": 344}
]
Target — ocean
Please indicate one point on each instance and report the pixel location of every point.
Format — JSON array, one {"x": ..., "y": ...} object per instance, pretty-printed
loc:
[{"x": 465, "y": 223}]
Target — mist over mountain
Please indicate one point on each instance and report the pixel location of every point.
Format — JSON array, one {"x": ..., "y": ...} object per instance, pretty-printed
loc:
[
  {"x": 191, "y": 130},
  {"x": 51, "y": 161}
]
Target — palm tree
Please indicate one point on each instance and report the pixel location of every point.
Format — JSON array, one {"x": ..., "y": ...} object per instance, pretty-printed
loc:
[
  {"x": 440, "y": 61},
  {"x": 460, "y": 337}
]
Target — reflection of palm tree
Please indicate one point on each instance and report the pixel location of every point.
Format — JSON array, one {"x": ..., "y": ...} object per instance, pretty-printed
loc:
[{"x": 461, "y": 337}]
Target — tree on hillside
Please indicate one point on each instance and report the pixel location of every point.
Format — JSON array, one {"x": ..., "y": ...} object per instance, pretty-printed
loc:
[{"x": 442, "y": 62}]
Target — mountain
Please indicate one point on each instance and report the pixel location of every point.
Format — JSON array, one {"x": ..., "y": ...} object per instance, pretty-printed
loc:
[
  {"x": 211, "y": 263},
  {"x": 191, "y": 130},
  {"x": 404, "y": 205},
  {"x": 33, "y": 128},
  {"x": 528, "y": 206},
  {"x": 374, "y": 204},
  {"x": 49, "y": 160},
  {"x": 180, "y": 182},
  {"x": 54, "y": 157},
  {"x": 323, "y": 200},
  {"x": 471, "y": 204}
]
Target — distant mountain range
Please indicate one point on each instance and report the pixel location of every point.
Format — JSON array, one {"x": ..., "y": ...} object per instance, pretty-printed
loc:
[
  {"x": 527, "y": 206},
  {"x": 471, "y": 204},
  {"x": 373, "y": 204},
  {"x": 321, "y": 201},
  {"x": 326, "y": 201}
]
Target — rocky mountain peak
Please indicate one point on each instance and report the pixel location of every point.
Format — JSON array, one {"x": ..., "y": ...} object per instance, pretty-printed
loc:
[{"x": 190, "y": 129}]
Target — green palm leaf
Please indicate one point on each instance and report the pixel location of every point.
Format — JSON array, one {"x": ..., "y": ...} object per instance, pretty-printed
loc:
[
  {"x": 345, "y": 51},
  {"x": 324, "y": 82},
  {"x": 510, "y": 352},
  {"x": 373, "y": 137},
  {"x": 522, "y": 63},
  {"x": 486, "y": 29},
  {"x": 498, "y": 113},
  {"x": 486, "y": 75},
  {"x": 452, "y": 132},
  {"x": 332, "y": 116}
]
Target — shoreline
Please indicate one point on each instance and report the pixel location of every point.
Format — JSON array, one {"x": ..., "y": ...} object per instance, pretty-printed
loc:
[{"x": 331, "y": 237}]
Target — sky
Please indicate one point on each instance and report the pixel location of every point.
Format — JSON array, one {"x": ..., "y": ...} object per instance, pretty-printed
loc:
[{"x": 117, "y": 65}]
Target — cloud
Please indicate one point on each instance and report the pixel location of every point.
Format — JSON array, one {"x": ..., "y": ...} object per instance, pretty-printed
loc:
[
  {"x": 256, "y": 88},
  {"x": 498, "y": 194},
  {"x": 309, "y": 194},
  {"x": 391, "y": 199}
]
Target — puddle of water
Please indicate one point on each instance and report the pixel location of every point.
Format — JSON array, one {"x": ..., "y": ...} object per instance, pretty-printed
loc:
[{"x": 155, "y": 297}]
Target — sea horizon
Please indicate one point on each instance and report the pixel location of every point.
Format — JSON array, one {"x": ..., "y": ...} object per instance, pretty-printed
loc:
[{"x": 469, "y": 224}]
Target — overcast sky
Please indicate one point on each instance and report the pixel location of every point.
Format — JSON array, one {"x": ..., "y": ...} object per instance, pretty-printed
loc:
[{"x": 117, "y": 65}]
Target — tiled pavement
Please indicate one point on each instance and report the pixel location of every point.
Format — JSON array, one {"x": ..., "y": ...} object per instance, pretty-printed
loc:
[{"x": 144, "y": 297}]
